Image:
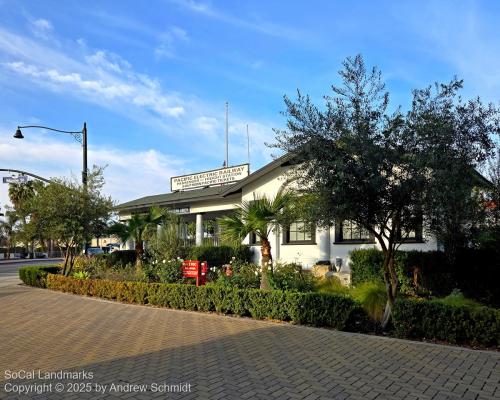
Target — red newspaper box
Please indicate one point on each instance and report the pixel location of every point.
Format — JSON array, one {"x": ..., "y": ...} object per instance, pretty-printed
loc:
[{"x": 195, "y": 269}]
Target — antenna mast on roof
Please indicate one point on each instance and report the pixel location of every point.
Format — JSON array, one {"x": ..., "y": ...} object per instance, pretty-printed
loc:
[
  {"x": 248, "y": 149},
  {"x": 227, "y": 134}
]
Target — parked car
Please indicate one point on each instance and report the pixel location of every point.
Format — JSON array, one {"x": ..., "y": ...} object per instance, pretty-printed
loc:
[{"x": 92, "y": 251}]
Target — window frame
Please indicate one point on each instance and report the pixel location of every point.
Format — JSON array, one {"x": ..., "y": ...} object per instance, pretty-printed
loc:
[
  {"x": 253, "y": 240},
  {"x": 419, "y": 234},
  {"x": 286, "y": 236},
  {"x": 339, "y": 239}
]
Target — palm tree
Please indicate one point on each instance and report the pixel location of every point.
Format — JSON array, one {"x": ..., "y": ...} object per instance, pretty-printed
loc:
[
  {"x": 258, "y": 217},
  {"x": 139, "y": 228},
  {"x": 20, "y": 194},
  {"x": 8, "y": 228}
]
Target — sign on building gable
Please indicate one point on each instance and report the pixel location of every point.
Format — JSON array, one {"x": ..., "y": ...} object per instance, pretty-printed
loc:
[{"x": 215, "y": 177}]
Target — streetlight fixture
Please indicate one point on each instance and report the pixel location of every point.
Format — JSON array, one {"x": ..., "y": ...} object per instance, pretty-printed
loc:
[{"x": 79, "y": 136}]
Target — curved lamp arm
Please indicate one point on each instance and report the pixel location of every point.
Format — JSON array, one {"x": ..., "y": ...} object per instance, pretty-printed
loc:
[{"x": 77, "y": 135}]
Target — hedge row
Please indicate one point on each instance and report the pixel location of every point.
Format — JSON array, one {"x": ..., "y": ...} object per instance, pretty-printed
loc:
[
  {"x": 36, "y": 275},
  {"x": 315, "y": 309},
  {"x": 475, "y": 272},
  {"x": 216, "y": 256},
  {"x": 421, "y": 319}
]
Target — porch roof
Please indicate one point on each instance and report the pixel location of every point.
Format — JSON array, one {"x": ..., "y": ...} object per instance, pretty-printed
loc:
[{"x": 209, "y": 193}]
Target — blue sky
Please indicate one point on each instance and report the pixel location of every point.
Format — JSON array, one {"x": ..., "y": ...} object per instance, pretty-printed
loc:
[{"x": 151, "y": 79}]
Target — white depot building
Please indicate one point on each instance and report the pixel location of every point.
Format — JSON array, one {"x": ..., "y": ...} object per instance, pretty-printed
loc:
[{"x": 200, "y": 199}]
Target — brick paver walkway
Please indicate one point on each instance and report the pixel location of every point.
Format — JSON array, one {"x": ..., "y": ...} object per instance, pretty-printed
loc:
[{"x": 221, "y": 357}]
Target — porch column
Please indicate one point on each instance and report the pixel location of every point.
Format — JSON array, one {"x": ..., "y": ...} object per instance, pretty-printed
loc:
[
  {"x": 324, "y": 244},
  {"x": 199, "y": 229}
]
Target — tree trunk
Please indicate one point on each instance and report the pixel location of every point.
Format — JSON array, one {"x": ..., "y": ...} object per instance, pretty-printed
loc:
[
  {"x": 139, "y": 251},
  {"x": 8, "y": 249},
  {"x": 66, "y": 259},
  {"x": 391, "y": 285},
  {"x": 265, "y": 250}
]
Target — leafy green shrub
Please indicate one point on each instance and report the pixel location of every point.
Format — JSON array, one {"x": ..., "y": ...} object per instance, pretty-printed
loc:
[
  {"x": 36, "y": 275},
  {"x": 170, "y": 271},
  {"x": 427, "y": 267},
  {"x": 366, "y": 265},
  {"x": 120, "y": 258},
  {"x": 457, "y": 298},
  {"x": 291, "y": 277},
  {"x": 316, "y": 309},
  {"x": 81, "y": 275},
  {"x": 373, "y": 298},
  {"x": 456, "y": 324},
  {"x": 126, "y": 273},
  {"x": 216, "y": 256},
  {"x": 331, "y": 285},
  {"x": 244, "y": 276}
]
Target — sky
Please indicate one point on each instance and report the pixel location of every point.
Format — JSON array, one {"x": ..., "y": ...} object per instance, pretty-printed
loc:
[{"x": 151, "y": 79}]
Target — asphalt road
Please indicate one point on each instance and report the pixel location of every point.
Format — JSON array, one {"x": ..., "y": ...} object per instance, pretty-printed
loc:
[{"x": 9, "y": 269}]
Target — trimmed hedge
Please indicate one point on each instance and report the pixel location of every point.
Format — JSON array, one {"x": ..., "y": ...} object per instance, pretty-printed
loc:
[
  {"x": 119, "y": 258},
  {"x": 475, "y": 272},
  {"x": 454, "y": 324},
  {"x": 216, "y": 256},
  {"x": 315, "y": 309},
  {"x": 36, "y": 275}
]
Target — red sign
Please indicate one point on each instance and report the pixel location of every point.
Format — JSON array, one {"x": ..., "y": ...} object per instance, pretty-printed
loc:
[{"x": 195, "y": 269}]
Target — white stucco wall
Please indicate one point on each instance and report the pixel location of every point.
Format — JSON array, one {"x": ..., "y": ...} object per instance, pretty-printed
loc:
[{"x": 306, "y": 254}]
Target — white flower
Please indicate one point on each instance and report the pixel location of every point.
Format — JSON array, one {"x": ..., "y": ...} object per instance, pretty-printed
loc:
[
  {"x": 164, "y": 261},
  {"x": 233, "y": 258},
  {"x": 256, "y": 273}
]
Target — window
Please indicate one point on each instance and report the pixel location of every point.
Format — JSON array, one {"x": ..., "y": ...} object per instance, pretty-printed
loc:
[
  {"x": 350, "y": 232},
  {"x": 253, "y": 241},
  {"x": 414, "y": 235},
  {"x": 299, "y": 233}
]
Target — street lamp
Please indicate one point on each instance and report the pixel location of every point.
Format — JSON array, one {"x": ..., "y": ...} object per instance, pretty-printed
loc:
[{"x": 79, "y": 136}]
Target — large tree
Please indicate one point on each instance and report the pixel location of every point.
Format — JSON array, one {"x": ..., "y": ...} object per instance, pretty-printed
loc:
[
  {"x": 70, "y": 213},
  {"x": 356, "y": 160},
  {"x": 259, "y": 217}
]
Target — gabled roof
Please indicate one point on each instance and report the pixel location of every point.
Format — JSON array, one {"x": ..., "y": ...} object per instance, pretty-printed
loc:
[
  {"x": 209, "y": 193},
  {"x": 283, "y": 160}
]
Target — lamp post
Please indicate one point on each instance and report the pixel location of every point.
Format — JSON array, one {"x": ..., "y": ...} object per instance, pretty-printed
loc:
[{"x": 79, "y": 136}]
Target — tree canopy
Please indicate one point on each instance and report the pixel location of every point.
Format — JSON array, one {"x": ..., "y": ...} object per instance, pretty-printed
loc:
[
  {"x": 357, "y": 160},
  {"x": 69, "y": 213}
]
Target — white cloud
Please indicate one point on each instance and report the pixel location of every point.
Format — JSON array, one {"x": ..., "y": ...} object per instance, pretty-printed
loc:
[
  {"x": 42, "y": 24},
  {"x": 108, "y": 81},
  {"x": 251, "y": 23},
  {"x": 129, "y": 174},
  {"x": 169, "y": 40},
  {"x": 134, "y": 91}
]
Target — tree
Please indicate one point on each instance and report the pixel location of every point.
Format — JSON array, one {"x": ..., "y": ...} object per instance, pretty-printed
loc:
[
  {"x": 20, "y": 194},
  {"x": 9, "y": 228},
  {"x": 70, "y": 213},
  {"x": 139, "y": 228},
  {"x": 383, "y": 170},
  {"x": 258, "y": 217}
]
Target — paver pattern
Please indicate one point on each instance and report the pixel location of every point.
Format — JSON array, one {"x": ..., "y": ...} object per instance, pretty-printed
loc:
[{"x": 223, "y": 357}]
